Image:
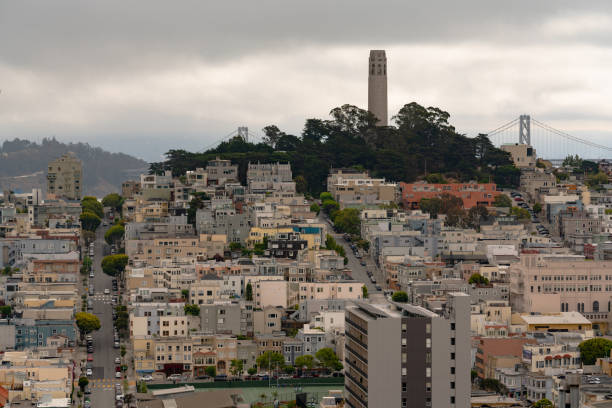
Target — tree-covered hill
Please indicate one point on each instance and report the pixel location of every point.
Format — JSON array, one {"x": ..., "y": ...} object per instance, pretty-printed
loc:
[
  {"x": 23, "y": 165},
  {"x": 420, "y": 142}
]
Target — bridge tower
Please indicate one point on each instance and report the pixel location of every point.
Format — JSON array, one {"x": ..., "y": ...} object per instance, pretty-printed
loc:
[
  {"x": 243, "y": 132},
  {"x": 525, "y": 130}
]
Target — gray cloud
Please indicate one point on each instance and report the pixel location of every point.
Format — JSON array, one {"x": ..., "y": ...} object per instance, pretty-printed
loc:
[{"x": 181, "y": 74}]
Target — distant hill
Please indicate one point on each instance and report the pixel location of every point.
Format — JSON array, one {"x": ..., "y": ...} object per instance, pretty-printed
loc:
[{"x": 23, "y": 165}]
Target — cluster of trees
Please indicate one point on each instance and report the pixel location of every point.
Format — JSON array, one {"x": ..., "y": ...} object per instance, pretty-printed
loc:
[
  {"x": 122, "y": 321},
  {"x": 114, "y": 265},
  {"x": 478, "y": 279},
  {"x": 91, "y": 213},
  {"x": 86, "y": 266},
  {"x": 419, "y": 142},
  {"x": 193, "y": 310},
  {"x": 330, "y": 243},
  {"x": 575, "y": 165},
  {"x": 452, "y": 207},
  {"x": 325, "y": 358},
  {"x": 114, "y": 201}
]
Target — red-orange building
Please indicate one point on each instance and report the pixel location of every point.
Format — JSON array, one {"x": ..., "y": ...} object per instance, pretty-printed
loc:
[{"x": 472, "y": 194}]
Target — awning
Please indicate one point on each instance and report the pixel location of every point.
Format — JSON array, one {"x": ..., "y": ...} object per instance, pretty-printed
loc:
[{"x": 548, "y": 358}]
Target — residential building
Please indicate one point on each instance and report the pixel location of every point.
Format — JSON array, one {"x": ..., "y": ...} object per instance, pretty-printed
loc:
[
  {"x": 64, "y": 177},
  {"x": 429, "y": 349},
  {"x": 523, "y": 155},
  {"x": 472, "y": 193}
]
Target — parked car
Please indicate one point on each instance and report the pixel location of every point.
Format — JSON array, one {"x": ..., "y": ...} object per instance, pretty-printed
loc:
[
  {"x": 118, "y": 374},
  {"x": 89, "y": 372},
  {"x": 107, "y": 291},
  {"x": 117, "y": 360},
  {"x": 90, "y": 357},
  {"x": 378, "y": 288},
  {"x": 173, "y": 377},
  {"x": 362, "y": 263},
  {"x": 146, "y": 378},
  {"x": 116, "y": 344}
]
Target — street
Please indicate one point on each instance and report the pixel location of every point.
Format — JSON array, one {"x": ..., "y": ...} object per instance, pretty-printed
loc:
[
  {"x": 103, "y": 380},
  {"x": 359, "y": 272}
]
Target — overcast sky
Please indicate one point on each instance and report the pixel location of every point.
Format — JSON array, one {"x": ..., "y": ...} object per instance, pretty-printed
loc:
[{"x": 146, "y": 76}]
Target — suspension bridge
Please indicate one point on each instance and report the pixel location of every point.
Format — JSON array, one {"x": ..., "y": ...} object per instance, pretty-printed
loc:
[{"x": 550, "y": 144}]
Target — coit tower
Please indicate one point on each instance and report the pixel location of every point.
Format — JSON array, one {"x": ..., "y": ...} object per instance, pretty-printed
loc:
[{"x": 377, "y": 86}]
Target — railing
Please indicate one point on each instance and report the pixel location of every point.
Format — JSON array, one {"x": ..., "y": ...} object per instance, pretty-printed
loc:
[
  {"x": 354, "y": 352},
  {"x": 356, "y": 340}
]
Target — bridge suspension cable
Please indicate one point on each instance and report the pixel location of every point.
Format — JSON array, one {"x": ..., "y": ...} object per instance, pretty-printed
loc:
[
  {"x": 503, "y": 127},
  {"x": 570, "y": 137}
]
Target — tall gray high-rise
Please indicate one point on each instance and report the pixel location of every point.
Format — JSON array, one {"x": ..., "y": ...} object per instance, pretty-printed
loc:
[{"x": 377, "y": 86}]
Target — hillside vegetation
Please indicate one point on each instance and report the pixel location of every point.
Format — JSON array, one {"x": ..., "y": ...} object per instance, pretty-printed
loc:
[
  {"x": 420, "y": 141},
  {"x": 23, "y": 165}
]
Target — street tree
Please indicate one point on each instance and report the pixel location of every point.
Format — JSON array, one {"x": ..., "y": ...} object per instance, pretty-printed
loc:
[
  {"x": 236, "y": 367},
  {"x": 269, "y": 360},
  {"x": 114, "y": 265},
  {"x": 83, "y": 382},
  {"x": 114, "y": 234},
  {"x": 305, "y": 361},
  {"x": 89, "y": 220},
  {"x": 400, "y": 296},
  {"x": 87, "y": 322},
  {"x": 114, "y": 201},
  {"x": 328, "y": 359}
]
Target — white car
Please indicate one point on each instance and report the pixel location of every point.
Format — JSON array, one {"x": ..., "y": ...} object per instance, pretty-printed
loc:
[
  {"x": 146, "y": 378},
  {"x": 118, "y": 374},
  {"x": 107, "y": 291},
  {"x": 117, "y": 360},
  {"x": 89, "y": 372}
]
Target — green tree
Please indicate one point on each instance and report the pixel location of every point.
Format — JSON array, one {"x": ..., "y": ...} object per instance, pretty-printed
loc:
[
  {"x": 597, "y": 180},
  {"x": 269, "y": 360},
  {"x": 83, "y": 382},
  {"x": 325, "y": 196},
  {"x": 543, "y": 403},
  {"x": 520, "y": 213},
  {"x": 193, "y": 310},
  {"x": 591, "y": 350},
  {"x": 572, "y": 161},
  {"x": 5, "y": 311},
  {"x": 114, "y": 201},
  {"x": 537, "y": 208},
  {"x": 502, "y": 200},
  {"x": 348, "y": 221},
  {"x": 211, "y": 371},
  {"x": 252, "y": 371},
  {"x": 89, "y": 220},
  {"x": 235, "y": 246},
  {"x": 492, "y": 384},
  {"x": 114, "y": 234},
  {"x": 114, "y": 265},
  {"x": 236, "y": 367},
  {"x": 87, "y": 322},
  {"x": 327, "y": 358},
  {"x": 364, "y": 292},
  {"x": 92, "y": 204},
  {"x": 305, "y": 361},
  {"x": 400, "y": 296},
  {"x": 7, "y": 271},
  {"x": 314, "y": 207},
  {"x": 86, "y": 266},
  {"x": 330, "y": 207},
  {"x": 123, "y": 351},
  {"x": 185, "y": 293},
  {"x": 301, "y": 184},
  {"x": 272, "y": 135},
  {"x": 478, "y": 279},
  {"x": 249, "y": 292}
]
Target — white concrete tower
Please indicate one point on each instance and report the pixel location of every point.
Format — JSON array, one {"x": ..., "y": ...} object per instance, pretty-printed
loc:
[{"x": 377, "y": 86}]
